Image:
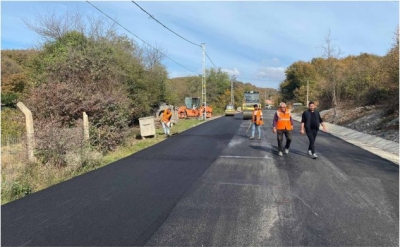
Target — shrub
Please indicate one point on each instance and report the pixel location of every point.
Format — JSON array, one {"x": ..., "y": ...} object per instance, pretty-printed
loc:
[{"x": 12, "y": 123}]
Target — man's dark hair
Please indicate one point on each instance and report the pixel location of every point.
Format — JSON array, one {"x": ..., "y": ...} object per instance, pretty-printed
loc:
[
  {"x": 311, "y": 102},
  {"x": 255, "y": 105}
]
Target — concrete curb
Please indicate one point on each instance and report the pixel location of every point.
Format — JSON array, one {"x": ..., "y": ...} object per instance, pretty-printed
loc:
[{"x": 386, "y": 149}]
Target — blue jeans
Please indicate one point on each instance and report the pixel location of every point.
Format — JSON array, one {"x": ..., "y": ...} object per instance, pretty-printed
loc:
[
  {"x": 253, "y": 130},
  {"x": 165, "y": 127}
]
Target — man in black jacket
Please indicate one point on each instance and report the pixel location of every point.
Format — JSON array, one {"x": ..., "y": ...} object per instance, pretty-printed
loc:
[{"x": 310, "y": 121}]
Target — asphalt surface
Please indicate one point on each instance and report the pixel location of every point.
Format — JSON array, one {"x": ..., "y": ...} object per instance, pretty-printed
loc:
[{"x": 210, "y": 186}]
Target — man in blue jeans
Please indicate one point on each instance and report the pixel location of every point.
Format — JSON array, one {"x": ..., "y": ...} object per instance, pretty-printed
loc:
[
  {"x": 257, "y": 121},
  {"x": 310, "y": 121}
]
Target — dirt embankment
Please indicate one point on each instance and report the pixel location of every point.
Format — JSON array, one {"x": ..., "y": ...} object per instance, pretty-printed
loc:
[{"x": 373, "y": 120}]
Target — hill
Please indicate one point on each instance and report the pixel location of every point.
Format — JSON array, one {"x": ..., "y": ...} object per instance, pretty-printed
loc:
[{"x": 375, "y": 120}]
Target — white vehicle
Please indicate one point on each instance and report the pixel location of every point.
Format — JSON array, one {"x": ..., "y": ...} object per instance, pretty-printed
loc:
[{"x": 297, "y": 105}]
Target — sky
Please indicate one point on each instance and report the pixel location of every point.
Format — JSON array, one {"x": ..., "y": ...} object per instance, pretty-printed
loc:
[{"x": 253, "y": 41}]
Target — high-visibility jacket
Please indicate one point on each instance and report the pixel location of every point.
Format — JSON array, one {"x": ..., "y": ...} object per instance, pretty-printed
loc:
[
  {"x": 166, "y": 116},
  {"x": 256, "y": 118},
  {"x": 283, "y": 122}
]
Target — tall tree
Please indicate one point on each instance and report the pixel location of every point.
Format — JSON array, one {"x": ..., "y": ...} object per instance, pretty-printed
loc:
[{"x": 330, "y": 71}]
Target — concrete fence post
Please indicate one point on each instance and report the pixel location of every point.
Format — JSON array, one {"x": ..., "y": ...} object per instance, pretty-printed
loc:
[
  {"x": 85, "y": 127},
  {"x": 29, "y": 130}
]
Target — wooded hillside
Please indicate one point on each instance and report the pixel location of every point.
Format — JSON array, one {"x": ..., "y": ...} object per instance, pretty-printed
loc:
[{"x": 356, "y": 80}]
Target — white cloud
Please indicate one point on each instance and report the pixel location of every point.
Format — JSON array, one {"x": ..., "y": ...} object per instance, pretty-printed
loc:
[
  {"x": 230, "y": 72},
  {"x": 276, "y": 60},
  {"x": 251, "y": 40},
  {"x": 271, "y": 73}
]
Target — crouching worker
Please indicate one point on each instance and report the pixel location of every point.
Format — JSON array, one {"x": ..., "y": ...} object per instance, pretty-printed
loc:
[
  {"x": 166, "y": 121},
  {"x": 257, "y": 121}
]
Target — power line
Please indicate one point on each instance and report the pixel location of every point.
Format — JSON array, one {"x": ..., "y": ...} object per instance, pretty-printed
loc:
[
  {"x": 210, "y": 60},
  {"x": 139, "y": 38},
  {"x": 152, "y": 17}
]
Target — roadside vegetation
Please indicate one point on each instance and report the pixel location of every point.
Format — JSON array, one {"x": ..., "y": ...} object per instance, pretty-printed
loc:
[
  {"x": 85, "y": 65},
  {"x": 353, "y": 81},
  {"x": 20, "y": 178}
]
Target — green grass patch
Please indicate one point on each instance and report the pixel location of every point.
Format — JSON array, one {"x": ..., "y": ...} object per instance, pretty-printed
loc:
[{"x": 133, "y": 145}]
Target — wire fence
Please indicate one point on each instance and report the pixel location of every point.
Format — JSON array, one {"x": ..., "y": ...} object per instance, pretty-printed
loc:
[
  {"x": 14, "y": 150},
  {"x": 53, "y": 145}
]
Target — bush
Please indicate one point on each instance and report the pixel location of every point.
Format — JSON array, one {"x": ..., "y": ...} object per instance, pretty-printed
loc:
[
  {"x": 9, "y": 99},
  {"x": 376, "y": 95},
  {"x": 55, "y": 144},
  {"x": 20, "y": 188},
  {"x": 12, "y": 123}
]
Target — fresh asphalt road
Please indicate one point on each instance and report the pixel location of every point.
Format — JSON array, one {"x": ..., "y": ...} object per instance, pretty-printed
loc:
[{"x": 212, "y": 186}]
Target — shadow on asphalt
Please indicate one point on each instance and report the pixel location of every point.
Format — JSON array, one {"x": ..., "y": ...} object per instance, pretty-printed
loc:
[{"x": 274, "y": 150}]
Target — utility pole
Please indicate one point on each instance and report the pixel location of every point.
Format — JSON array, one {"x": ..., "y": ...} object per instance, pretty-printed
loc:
[
  {"x": 232, "y": 96},
  {"x": 265, "y": 97},
  {"x": 307, "y": 93},
  {"x": 203, "y": 81}
]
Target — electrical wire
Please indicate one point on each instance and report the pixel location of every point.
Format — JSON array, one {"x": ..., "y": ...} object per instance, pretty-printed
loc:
[
  {"x": 210, "y": 60},
  {"x": 139, "y": 38},
  {"x": 152, "y": 17}
]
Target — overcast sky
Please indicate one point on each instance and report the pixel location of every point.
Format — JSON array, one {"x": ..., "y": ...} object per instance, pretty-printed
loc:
[{"x": 255, "y": 41}]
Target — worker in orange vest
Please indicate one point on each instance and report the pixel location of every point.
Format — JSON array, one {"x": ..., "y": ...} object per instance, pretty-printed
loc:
[
  {"x": 257, "y": 121},
  {"x": 283, "y": 124},
  {"x": 166, "y": 121}
]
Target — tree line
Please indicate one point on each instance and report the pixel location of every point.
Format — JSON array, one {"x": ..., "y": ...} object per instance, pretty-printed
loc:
[
  {"x": 365, "y": 79},
  {"x": 84, "y": 65}
]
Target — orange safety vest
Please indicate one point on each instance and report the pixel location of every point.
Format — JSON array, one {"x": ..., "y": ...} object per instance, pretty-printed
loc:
[
  {"x": 283, "y": 120},
  {"x": 165, "y": 116},
  {"x": 258, "y": 120}
]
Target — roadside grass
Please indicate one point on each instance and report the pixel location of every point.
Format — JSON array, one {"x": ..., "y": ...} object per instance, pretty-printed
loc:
[
  {"x": 134, "y": 145},
  {"x": 22, "y": 178}
]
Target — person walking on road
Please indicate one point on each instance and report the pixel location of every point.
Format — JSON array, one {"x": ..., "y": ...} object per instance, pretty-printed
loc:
[
  {"x": 166, "y": 121},
  {"x": 310, "y": 122},
  {"x": 257, "y": 121},
  {"x": 283, "y": 124}
]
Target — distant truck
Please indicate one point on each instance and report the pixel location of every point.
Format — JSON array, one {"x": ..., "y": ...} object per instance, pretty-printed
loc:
[{"x": 250, "y": 98}]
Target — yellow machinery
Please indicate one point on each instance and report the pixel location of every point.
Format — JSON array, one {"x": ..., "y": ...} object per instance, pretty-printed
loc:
[{"x": 250, "y": 98}]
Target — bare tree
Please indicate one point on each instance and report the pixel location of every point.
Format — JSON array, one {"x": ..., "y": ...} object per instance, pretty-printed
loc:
[
  {"x": 331, "y": 53},
  {"x": 51, "y": 26}
]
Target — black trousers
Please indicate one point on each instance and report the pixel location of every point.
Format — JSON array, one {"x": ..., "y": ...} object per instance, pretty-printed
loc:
[
  {"x": 288, "y": 135},
  {"x": 312, "y": 135}
]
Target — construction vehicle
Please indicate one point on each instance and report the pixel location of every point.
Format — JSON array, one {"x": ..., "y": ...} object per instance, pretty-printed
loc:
[
  {"x": 250, "y": 98},
  {"x": 192, "y": 109},
  {"x": 230, "y": 110}
]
